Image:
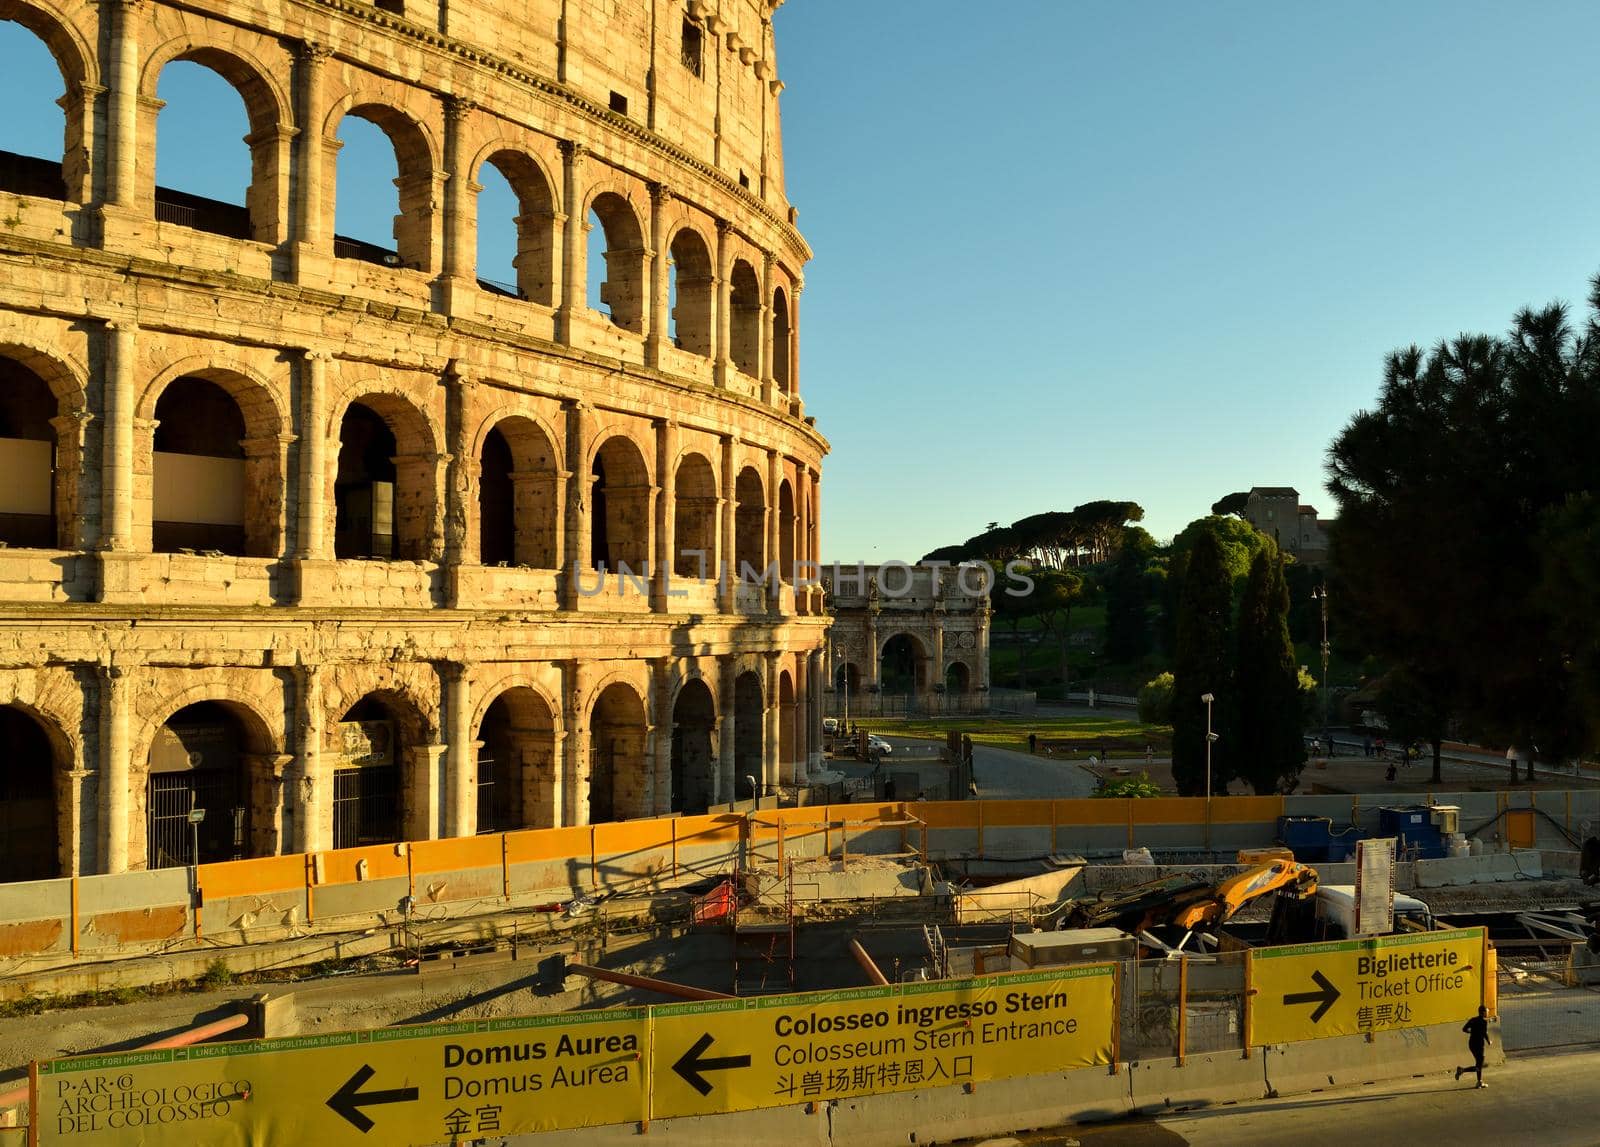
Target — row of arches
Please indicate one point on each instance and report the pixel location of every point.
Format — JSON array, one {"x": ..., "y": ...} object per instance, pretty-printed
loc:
[
  {"x": 905, "y": 668},
  {"x": 218, "y": 482},
  {"x": 210, "y": 787},
  {"x": 379, "y": 198}
]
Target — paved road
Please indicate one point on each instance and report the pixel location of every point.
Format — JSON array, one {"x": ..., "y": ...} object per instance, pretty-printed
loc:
[
  {"x": 1004, "y": 775},
  {"x": 1547, "y": 1100}
]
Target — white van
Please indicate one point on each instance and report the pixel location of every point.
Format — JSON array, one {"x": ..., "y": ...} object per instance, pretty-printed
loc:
[{"x": 1336, "y": 912}]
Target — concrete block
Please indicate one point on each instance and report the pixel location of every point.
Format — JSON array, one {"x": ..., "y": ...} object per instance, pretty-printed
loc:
[
  {"x": 1321, "y": 1063},
  {"x": 1092, "y": 1094},
  {"x": 791, "y": 1126},
  {"x": 1202, "y": 1081}
]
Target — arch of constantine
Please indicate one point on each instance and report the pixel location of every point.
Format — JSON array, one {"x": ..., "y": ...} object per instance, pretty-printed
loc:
[{"x": 341, "y": 543}]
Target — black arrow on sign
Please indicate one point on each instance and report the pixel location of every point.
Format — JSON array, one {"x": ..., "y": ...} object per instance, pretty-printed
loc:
[
  {"x": 690, "y": 1064},
  {"x": 1324, "y": 998},
  {"x": 350, "y": 1099}
]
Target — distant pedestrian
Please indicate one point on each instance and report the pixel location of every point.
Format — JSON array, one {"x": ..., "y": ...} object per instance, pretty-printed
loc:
[
  {"x": 1033, "y": 742},
  {"x": 1477, "y": 1029},
  {"x": 1366, "y": 746},
  {"x": 1382, "y": 747},
  {"x": 888, "y": 789}
]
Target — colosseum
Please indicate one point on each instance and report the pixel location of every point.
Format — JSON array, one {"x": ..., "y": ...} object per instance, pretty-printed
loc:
[{"x": 313, "y": 543}]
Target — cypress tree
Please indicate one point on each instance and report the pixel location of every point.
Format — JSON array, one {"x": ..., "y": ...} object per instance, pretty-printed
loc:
[
  {"x": 1268, "y": 747},
  {"x": 1201, "y": 664},
  {"x": 1127, "y": 617}
]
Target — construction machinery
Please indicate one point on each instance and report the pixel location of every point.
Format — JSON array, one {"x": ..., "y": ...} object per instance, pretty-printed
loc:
[{"x": 1187, "y": 907}]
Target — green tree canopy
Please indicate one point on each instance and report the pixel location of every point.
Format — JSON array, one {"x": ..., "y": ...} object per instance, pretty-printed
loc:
[
  {"x": 1268, "y": 748},
  {"x": 1201, "y": 665},
  {"x": 1448, "y": 549}
]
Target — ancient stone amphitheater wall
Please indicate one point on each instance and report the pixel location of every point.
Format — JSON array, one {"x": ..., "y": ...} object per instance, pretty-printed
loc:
[{"x": 343, "y": 544}]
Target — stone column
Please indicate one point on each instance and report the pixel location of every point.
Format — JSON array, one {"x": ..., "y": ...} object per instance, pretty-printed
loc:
[
  {"x": 576, "y": 762},
  {"x": 814, "y": 670},
  {"x": 800, "y": 718},
  {"x": 122, "y": 102},
  {"x": 574, "y": 284},
  {"x": 871, "y": 682},
  {"x": 311, "y": 250},
  {"x": 771, "y": 525},
  {"x": 661, "y": 726},
  {"x": 727, "y": 513},
  {"x": 427, "y": 819},
  {"x": 576, "y": 556},
  {"x": 768, "y": 385},
  {"x": 796, "y": 407},
  {"x": 814, "y": 532},
  {"x": 459, "y": 487},
  {"x": 460, "y": 199},
  {"x": 771, "y": 733},
  {"x": 983, "y": 650},
  {"x": 312, "y": 797},
  {"x": 667, "y": 490},
  {"x": 659, "y": 294},
  {"x": 115, "y": 768},
  {"x": 116, "y": 438},
  {"x": 722, "y": 292},
  {"x": 936, "y": 668},
  {"x": 727, "y": 670},
  {"x": 461, "y": 804},
  {"x": 314, "y": 433}
]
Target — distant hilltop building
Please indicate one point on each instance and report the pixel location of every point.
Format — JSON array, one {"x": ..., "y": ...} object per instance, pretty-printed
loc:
[
  {"x": 1278, "y": 512},
  {"x": 918, "y": 632}
]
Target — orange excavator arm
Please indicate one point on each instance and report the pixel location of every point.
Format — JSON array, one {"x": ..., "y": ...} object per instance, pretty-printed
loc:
[{"x": 1280, "y": 876}]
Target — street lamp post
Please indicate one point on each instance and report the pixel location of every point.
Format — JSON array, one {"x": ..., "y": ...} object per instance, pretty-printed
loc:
[
  {"x": 1211, "y": 738},
  {"x": 1320, "y": 593}
]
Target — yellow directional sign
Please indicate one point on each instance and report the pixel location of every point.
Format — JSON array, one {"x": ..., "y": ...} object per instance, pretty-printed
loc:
[
  {"x": 1351, "y": 987},
  {"x": 736, "y": 1055},
  {"x": 406, "y": 1086}
]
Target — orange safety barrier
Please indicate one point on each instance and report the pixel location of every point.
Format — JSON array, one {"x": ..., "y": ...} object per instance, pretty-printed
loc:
[
  {"x": 383, "y": 861},
  {"x": 1089, "y": 811},
  {"x": 456, "y": 854},
  {"x": 251, "y": 877},
  {"x": 534, "y": 844}
]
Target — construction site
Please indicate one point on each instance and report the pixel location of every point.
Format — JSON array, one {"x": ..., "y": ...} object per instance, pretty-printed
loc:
[{"x": 1170, "y": 916}]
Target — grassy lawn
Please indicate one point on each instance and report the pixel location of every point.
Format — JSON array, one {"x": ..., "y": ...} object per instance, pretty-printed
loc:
[{"x": 1125, "y": 736}]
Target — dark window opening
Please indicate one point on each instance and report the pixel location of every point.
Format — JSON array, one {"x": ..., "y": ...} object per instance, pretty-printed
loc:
[
  {"x": 398, "y": 7},
  {"x": 619, "y": 103},
  {"x": 694, "y": 48},
  {"x": 29, "y": 846},
  {"x": 744, "y": 181},
  {"x": 364, "y": 492},
  {"x": 197, "y": 763}
]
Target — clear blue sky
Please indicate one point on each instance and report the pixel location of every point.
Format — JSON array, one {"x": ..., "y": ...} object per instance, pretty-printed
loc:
[{"x": 1069, "y": 251}]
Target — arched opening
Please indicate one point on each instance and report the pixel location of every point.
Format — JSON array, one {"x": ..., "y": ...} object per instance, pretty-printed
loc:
[
  {"x": 694, "y": 764},
  {"x": 34, "y": 135},
  {"x": 781, "y": 367},
  {"x": 517, "y": 496},
  {"x": 749, "y": 733},
  {"x": 750, "y": 525},
  {"x": 385, "y": 172},
  {"x": 516, "y": 764},
  {"x": 200, "y": 474},
  {"x": 847, "y": 678},
  {"x": 619, "y": 508},
  {"x": 904, "y": 668},
  {"x": 30, "y": 842},
  {"x": 376, "y": 737},
  {"x": 692, "y": 284},
  {"x": 788, "y": 730},
  {"x": 745, "y": 319},
  {"x": 616, "y": 261},
  {"x": 28, "y": 467},
  {"x": 786, "y": 525},
  {"x": 208, "y": 774},
  {"x": 694, "y": 522},
  {"x": 516, "y": 228},
  {"x": 957, "y": 678},
  {"x": 383, "y": 490},
  {"x": 617, "y": 775},
  {"x": 206, "y": 114}
]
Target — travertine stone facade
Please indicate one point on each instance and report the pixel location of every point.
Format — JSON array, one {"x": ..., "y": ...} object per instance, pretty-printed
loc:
[
  {"x": 910, "y": 630},
  {"x": 308, "y": 536}
]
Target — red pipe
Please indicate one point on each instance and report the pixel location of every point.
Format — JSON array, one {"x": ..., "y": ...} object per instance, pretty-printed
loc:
[{"x": 182, "y": 1039}]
